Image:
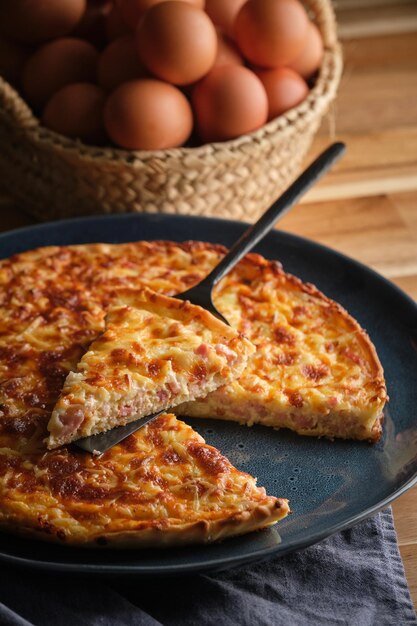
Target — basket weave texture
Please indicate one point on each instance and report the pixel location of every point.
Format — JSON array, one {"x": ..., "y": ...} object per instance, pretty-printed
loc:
[{"x": 54, "y": 177}]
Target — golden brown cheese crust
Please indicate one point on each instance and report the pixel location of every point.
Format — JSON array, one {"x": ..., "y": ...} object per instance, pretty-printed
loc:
[
  {"x": 155, "y": 353},
  {"x": 315, "y": 369},
  {"x": 52, "y": 306},
  {"x": 161, "y": 486}
]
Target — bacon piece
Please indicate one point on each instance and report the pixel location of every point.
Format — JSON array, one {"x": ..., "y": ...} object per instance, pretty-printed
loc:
[
  {"x": 302, "y": 421},
  {"x": 174, "y": 387},
  {"x": 125, "y": 411},
  {"x": 202, "y": 350},
  {"x": 162, "y": 395},
  {"x": 71, "y": 419}
]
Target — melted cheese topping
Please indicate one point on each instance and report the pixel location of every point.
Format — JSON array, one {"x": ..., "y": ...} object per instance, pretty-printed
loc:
[
  {"x": 164, "y": 480},
  {"x": 53, "y": 303},
  {"x": 158, "y": 354},
  {"x": 314, "y": 371}
]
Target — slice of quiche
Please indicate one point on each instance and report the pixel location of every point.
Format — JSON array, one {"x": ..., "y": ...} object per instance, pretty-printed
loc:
[
  {"x": 156, "y": 352},
  {"x": 161, "y": 486},
  {"x": 315, "y": 370}
]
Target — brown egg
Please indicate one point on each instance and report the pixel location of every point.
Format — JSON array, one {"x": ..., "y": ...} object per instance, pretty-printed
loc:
[
  {"x": 119, "y": 62},
  {"x": 271, "y": 33},
  {"x": 115, "y": 26},
  {"x": 227, "y": 53},
  {"x": 13, "y": 57},
  {"x": 76, "y": 111},
  {"x": 229, "y": 102},
  {"x": 223, "y": 13},
  {"x": 285, "y": 89},
  {"x": 56, "y": 64},
  {"x": 148, "y": 114},
  {"x": 311, "y": 56},
  {"x": 132, "y": 10},
  {"x": 35, "y": 21},
  {"x": 177, "y": 42}
]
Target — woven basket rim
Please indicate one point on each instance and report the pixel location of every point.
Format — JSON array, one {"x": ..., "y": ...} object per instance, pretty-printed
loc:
[{"x": 318, "y": 99}]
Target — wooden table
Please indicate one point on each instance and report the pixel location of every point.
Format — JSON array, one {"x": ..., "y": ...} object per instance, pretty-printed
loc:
[{"x": 367, "y": 207}]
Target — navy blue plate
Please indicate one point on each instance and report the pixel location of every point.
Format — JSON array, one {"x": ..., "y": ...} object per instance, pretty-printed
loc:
[{"x": 330, "y": 485}]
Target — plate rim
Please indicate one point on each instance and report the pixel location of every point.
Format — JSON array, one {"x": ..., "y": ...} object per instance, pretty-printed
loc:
[
  {"x": 203, "y": 566},
  {"x": 221, "y": 562}
]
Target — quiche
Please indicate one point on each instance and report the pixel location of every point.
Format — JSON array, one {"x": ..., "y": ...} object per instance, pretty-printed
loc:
[
  {"x": 310, "y": 354},
  {"x": 156, "y": 352}
]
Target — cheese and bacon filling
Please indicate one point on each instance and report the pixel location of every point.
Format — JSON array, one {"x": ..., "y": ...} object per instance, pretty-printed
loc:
[
  {"x": 315, "y": 369},
  {"x": 156, "y": 352}
]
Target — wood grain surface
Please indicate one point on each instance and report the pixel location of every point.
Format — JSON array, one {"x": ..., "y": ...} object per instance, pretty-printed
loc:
[{"x": 367, "y": 207}]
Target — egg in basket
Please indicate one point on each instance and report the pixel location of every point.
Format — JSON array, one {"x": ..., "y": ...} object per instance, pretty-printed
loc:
[{"x": 161, "y": 105}]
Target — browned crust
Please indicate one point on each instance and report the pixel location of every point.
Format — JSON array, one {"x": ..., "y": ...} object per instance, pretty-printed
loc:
[
  {"x": 191, "y": 246},
  {"x": 176, "y": 308},
  {"x": 169, "y": 533}
]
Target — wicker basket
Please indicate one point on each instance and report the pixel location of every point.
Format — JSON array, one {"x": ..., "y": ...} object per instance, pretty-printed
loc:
[{"x": 54, "y": 177}]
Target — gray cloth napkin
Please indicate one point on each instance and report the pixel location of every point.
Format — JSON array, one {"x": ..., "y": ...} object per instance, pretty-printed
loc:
[{"x": 354, "y": 578}]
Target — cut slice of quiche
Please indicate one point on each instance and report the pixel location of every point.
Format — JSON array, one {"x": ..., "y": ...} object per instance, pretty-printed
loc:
[
  {"x": 162, "y": 486},
  {"x": 156, "y": 352}
]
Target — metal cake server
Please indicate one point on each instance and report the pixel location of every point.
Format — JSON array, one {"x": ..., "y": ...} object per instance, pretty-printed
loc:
[{"x": 200, "y": 294}]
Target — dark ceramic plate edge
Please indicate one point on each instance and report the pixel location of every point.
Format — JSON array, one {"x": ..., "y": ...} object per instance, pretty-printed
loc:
[{"x": 201, "y": 567}]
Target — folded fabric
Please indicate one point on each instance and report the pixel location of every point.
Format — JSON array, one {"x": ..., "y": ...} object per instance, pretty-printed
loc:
[{"x": 353, "y": 578}]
